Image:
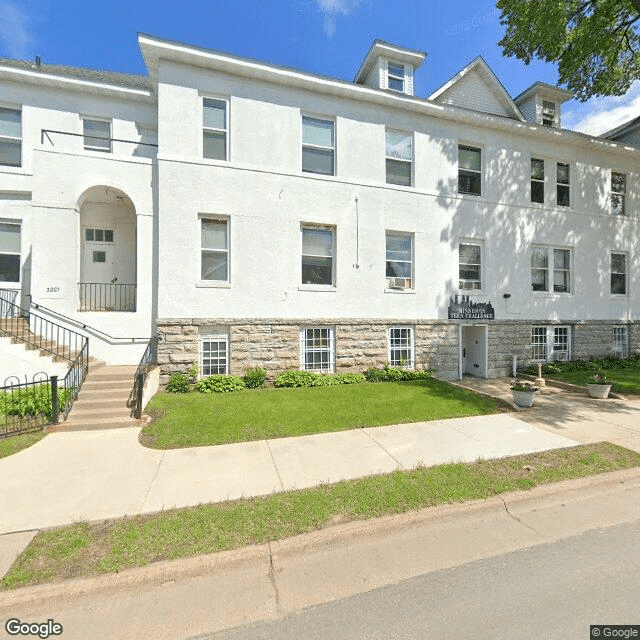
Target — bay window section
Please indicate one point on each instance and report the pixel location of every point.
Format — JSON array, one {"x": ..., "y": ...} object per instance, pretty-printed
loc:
[
  {"x": 214, "y": 264},
  {"x": 399, "y": 154},
  {"x": 318, "y": 146},
  {"x": 10, "y": 137},
  {"x": 317, "y": 255}
]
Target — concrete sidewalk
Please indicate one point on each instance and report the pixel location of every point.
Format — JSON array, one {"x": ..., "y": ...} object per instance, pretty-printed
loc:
[{"x": 202, "y": 595}]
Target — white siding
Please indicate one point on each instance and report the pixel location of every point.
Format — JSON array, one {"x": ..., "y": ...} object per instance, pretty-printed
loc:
[{"x": 529, "y": 110}]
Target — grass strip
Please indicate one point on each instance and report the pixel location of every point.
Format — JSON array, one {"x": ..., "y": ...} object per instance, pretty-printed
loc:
[
  {"x": 195, "y": 419},
  {"x": 624, "y": 380},
  {"x": 91, "y": 549},
  {"x": 13, "y": 444}
]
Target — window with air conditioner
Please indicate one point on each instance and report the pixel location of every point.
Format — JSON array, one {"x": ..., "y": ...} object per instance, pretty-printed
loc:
[
  {"x": 399, "y": 260},
  {"x": 550, "y": 344}
]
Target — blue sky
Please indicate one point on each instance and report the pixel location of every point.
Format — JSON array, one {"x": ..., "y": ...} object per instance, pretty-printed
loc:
[{"x": 329, "y": 37}]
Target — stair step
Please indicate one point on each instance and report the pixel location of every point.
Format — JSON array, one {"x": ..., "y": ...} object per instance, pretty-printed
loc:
[
  {"x": 102, "y": 396},
  {"x": 96, "y": 385},
  {"x": 107, "y": 404},
  {"x": 120, "y": 412},
  {"x": 72, "y": 424}
]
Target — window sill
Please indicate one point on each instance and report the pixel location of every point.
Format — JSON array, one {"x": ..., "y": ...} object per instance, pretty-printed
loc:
[
  {"x": 317, "y": 287},
  {"x": 618, "y": 296},
  {"x": 401, "y": 291},
  {"x": 551, "y": 294},
  {"x": 206, "y": 284},
  {"x": 472, "y": 292}
]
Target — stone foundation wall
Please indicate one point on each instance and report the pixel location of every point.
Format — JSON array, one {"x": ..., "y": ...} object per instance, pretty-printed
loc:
[{"x": 274, "y": 344}]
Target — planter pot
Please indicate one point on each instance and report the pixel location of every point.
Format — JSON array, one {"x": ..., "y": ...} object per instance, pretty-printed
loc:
[
  {"x": 600, "y": 391},
  {"x": 523, "y": 398}
]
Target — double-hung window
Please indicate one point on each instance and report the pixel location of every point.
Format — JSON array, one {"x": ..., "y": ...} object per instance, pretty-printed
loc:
[
  {"x": 10, "y": 137},
  {"x": 470, "y": 266},
  {"x": 549, "y": 265},
  {"x": 318, "y": 146},
  {"x": 563, "y": 185},
  {"x": 214, "y": 250},
  {"x": 395, "y": 76},
  {"x": 550, "y": 343},
  {"x": 537, "y": 180},
  {"x": 399, "y": 260},
  {"x": 620, "y": 345},
  {"x": 399, "y": 154},
  {"x": 469, "y": 170},
  {"x": 618, "y": 193},
  {"x": 214, "y": 129},
  {"x": 9, "y": 252},
  {"x": 96, "y": 134},
  {"x": 214, "y": 354},
  {"x": 317, "y": 349},
  {"x": 317, "y": 255},
  {"x": 618, "y": 274},
  {"x": 548, "y": 113},
  {"x": 400, "y": 352}
]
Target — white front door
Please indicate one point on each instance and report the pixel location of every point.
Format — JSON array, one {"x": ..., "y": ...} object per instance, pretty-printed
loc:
[
  {"x": 474, "y": 351},
  {"x": 97, "y": 262}
]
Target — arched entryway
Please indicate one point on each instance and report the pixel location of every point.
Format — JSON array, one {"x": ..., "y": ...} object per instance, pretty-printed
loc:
[{"x": 107, "y": 250}]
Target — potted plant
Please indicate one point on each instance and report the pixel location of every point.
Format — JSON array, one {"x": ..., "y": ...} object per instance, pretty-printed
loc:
[
  {"x": 598, "y": 386},
  {"x": 524, "y": 393}
]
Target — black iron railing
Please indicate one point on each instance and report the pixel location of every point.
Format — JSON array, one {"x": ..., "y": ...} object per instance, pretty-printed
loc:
[
  {"x": 107, "y": 296},
  {"x": 47, "y": 133},
  {"x": 148, "y": 361},
  {"x": 69, "y": 386},
  {"x": 26, "y": 406}
]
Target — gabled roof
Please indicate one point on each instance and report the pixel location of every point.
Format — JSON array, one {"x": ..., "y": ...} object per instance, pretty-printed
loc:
[
  {"x": 621, "y": 130},
  {"x": 79, "y": 73},
  {"x": 545, "y": 90},
  {"x": 393, "y": 52},
  {"x": 464, "y": 88}
]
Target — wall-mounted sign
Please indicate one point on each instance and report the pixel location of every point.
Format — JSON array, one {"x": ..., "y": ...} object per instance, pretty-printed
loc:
[
  {"x": 461, "y": 308},
  {"x": 51, "y": 290}
]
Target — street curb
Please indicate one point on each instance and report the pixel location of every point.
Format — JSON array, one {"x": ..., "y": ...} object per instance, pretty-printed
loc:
[{"x": 161, "y": 573}]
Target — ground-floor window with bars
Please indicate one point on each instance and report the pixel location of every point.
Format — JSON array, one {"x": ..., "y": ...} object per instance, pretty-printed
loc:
[
  {"x": 620, "y": 347},
  {"x": 550, "y": 343},
  {"x": 214, "y": 355},
  {"x": 401, "y": 347},
  {"x": 317, "y": 349}
]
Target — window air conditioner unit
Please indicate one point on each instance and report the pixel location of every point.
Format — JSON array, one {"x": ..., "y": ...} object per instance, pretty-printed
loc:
[
  {"x": 399, "y": 283},
  {"x": 617, "y": 352},
  {"x": 561, "y": 356}
]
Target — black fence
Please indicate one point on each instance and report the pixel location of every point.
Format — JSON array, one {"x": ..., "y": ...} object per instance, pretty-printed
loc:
[
  {"x": 107, "y": 296},
  {"x": 28, "y": 406},
  {"x": 148, "y": 361}
]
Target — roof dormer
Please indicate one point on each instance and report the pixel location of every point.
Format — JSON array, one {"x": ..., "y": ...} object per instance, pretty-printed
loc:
[
  {"x": 388, "y": 66},
  {"x": 541, "y": 103}
]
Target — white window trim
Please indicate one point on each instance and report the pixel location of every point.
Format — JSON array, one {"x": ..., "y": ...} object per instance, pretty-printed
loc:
[
  {"x": 570, "y": 185},
  {"x": 619, "y": 193},
  {"x": 319, "y": 287},
  {"x": 550, "y": 293},
  {"x": 217, "y": 337},
  {"x": 551, "y": 354},
  {"x": 411, "y": 363},
  {"x": 95, "y": 148},
  {"x": 555, "y": 112},
  {"x": 478, "y": 243},
  {"x": 476, "y": 147},
  {"x": 620, "y": 348},
  {"x": 617, "y": 296},
  {"x": 410, "y": 162},
  {"x": 14, "y": 283},
  {"x": 94, "y": 229},
  {"x": 227, "y": 113},
  {"x": 331, "y": 365},
  {"x": 411, "y": 288},
  {"x": 221, "y": 284},
  {"x": 543, "y": 182},
  {"x": 402, "y": 78},
  {"x": 9, "y": 167},
  {"x": 322, "y": 118}
]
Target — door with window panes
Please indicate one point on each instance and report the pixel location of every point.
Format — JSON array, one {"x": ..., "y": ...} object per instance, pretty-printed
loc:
[{"x": 97, "y": 255}]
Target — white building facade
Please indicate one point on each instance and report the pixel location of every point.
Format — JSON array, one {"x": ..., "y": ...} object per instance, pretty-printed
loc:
[{"x": 287, "y": 220}]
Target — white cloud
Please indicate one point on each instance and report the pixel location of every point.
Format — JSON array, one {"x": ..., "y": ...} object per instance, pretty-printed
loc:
[
  {"x": 334, "y": 8},
  {"x": 15, "y": 35},
  {"x": 603, "y": 114}
]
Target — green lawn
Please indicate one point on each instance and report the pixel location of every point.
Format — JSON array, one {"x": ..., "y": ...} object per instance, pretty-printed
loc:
[
  {"x": 13, "y": 444},
  {"x": 90, "y": 549},
  {"x": 195, "y": 419},
  {"x": 624, "y": 380}
]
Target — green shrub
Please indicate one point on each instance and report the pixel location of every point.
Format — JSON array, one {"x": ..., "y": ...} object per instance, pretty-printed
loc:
[
  {"x": 32, "y": 401},
  {"x": 389, "y": 373},
  {"x": 178, "y": 383},
  {"x": 220, "y": 384},
  {"x": 255, "y": 377},
  {"x": 349, "y": 378},
  {"x": 295, "y": 378}
]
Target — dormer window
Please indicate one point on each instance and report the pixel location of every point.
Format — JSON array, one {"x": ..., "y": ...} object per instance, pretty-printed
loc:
[
  {"x": 395, "y": 76},
  {"x": 548, "y": 113}
]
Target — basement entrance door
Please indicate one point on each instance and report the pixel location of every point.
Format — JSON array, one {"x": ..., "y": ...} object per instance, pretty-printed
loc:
[{"x": 473, "y": 348}]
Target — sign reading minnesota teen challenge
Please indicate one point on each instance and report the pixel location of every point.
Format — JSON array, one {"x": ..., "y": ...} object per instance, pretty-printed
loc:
[{"x": 461, "y": 308}]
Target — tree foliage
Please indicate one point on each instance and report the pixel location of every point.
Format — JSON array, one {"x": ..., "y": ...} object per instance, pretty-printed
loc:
[{"x": 595, "y": 43}]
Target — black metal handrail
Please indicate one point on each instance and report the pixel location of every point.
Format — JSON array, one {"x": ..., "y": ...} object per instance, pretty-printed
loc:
[
  {"x": 107, "y": 296},
  {"x": 46, "y": 132},
  {"x": 71, "y": 384},
  {"x": 148, "y": 361}
]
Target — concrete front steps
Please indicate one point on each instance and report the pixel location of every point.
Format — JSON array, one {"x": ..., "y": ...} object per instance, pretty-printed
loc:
[{"x": 102, "y": 401}]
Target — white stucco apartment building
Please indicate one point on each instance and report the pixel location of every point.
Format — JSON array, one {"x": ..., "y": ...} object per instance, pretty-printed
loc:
[{"x": 254, "y": 215}]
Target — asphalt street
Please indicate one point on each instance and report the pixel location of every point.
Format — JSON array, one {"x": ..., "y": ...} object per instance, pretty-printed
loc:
[{"x": 548, "y": 591}]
